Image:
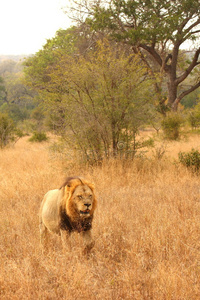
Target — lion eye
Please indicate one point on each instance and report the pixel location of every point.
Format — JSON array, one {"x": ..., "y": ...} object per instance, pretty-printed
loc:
[
  {"x": 90, "y": 196},
  {"x": 80, "y": 197}
]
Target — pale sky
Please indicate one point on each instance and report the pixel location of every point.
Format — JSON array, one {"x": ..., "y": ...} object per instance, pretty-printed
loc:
[{"x": 26, "y": 24}]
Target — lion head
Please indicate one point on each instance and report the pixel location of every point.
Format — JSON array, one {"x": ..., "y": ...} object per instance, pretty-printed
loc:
[{"x": 79, "y": 201}]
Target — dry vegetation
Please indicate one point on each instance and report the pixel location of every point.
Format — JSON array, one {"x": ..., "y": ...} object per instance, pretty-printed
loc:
[{"x": 146, "y": 228}]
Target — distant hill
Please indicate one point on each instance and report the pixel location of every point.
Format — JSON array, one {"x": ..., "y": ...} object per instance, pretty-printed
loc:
[{"x": 16, "y": 58}]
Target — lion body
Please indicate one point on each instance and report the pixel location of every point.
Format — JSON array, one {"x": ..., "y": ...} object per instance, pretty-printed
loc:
[
  {"x": 68, "y": 209},
  {"x": 50, "y": 210}
]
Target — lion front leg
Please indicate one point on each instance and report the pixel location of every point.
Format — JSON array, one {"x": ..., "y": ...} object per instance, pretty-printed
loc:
[
  {"x": 66, "y": 242},
  {"x": 88, "y": 242},
  {"x": 43, "y": 237}
]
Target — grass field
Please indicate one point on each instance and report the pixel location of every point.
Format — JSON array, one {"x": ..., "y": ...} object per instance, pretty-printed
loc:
[{"x": 146, "y": 227}]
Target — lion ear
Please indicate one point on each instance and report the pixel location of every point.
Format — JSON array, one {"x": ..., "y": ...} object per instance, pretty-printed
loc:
[
  {"x": 91, "y": 186},
  {"x": 67, "y": 188},
  {"x": 67, "y": 192}
]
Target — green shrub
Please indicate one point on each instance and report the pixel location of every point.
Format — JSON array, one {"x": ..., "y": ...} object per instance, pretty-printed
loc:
[
  {"x": 171, "y": 126},
  {"x": 38, "y": 137},
  {"x": 7, "y": 130},
  {"x": 191, "y": 160},
  {"x": 148, "y": 143},
  {"x": 194, "y": 120}
]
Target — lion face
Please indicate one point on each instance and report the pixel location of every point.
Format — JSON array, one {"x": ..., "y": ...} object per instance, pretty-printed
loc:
[
  {"x": 83, "y": 198},
  {"x": 79, "y": 199}
]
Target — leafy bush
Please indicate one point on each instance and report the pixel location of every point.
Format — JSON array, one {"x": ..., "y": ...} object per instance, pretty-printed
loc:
[
  {"x": 38, "y": 137},
  {"x": 7, "y": 130},
  {"x": 171, "y": 126},
  {"x": 194, "y": 117},
  {"x": 191, "y": 159},
  {"x": 194, "y": 120}
]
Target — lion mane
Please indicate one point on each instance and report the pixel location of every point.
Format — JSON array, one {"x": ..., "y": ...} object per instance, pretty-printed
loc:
[{"x": 67, "y": 209}]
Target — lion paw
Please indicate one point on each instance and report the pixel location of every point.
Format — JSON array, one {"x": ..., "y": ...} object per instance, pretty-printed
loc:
[{"x": 88, "y": 248}]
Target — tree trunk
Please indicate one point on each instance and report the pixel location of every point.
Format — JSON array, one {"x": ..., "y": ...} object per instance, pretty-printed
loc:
[
  {"x": 114, "y": 138},
  {"x": 175, "y": 104},
  {"x": 172, "y": 92}
]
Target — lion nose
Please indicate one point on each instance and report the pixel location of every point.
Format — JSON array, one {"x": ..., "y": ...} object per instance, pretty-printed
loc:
[{"x": 87, "y": 204}]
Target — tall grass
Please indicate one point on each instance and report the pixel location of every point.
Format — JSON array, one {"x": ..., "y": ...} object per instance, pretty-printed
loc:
[{"x": 146, "y": 229}]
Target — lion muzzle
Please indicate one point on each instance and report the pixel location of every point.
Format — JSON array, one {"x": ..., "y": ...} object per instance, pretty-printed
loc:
[{"x": 85, "y": 212}]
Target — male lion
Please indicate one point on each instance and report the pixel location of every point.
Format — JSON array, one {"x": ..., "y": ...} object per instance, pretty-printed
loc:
[{"x": 69, "y": 209}]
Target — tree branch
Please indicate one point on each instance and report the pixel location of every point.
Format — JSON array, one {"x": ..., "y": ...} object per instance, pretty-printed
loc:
[
  {"x": 192, "y": 26},
  {"x": 194, "y": 32},
  {"x": 193, "y": 64},
  {"x": 153, "y": 53},
  {"x": 183, "y": 24},
  {"x": 183, "y": 94},
  {"x": 169, "y": 56}
]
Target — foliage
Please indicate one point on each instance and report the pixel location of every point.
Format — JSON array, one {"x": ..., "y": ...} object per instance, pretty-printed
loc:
[
  {"x": 194, "y": 116},
  {"x": 194, "y": 119},
  {"x": 97, "y": 100},
  {"x": 15, "y": 112},
  {"x": 38, "y": 68},
  {"x": 171, "y": 125},
  {"x": 16, "y": 99},
  {"x": 158, "y": 29},
  {"x": 190, "y": 159},
  {"x": 38, "y": 137},
  {"x": 10, "y": 65},
  {"x": 7, "y": 130},
  {"x": 2, "y": 89},
  {"x": 191, "y": 100}
]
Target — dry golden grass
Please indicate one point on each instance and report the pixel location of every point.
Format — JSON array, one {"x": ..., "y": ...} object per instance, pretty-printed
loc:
[{"x": 146, "y": 227}]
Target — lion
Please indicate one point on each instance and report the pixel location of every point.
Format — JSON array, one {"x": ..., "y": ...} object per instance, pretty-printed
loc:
[{"x": 69, "y": 209}]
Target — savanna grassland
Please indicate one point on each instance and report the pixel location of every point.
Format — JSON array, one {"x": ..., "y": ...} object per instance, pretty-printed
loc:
[{"x": 146, "y": 227}]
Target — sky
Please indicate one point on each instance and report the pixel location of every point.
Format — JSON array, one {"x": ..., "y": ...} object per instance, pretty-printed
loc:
[{"x": 25, "y": 25}]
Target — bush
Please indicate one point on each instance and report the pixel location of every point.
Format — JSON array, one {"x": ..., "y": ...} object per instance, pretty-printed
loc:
[
  {"x": 194, "y": 120},
  {"x": 7, "y": 130},
  {"x": 191, "y": 160},
  {"x": 171, "y": 126},
  {"x": 38, "y": 137}
]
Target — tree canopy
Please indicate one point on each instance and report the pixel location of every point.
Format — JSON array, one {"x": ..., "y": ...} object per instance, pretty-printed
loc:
[{"x": 157, "y": 28}]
